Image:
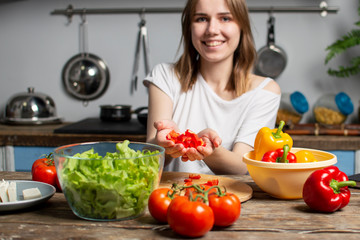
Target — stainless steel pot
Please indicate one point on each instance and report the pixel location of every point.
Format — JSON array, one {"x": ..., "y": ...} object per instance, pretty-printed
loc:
[
  {"x": 122, "y": 113},
  {"x": 30, "y": 108}
]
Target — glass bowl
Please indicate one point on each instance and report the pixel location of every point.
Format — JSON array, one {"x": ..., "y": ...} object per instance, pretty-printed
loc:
[{"x": 108, "y": 181}]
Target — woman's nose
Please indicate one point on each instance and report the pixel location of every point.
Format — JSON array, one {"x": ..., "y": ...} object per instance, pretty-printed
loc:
[{"x": 213, "y": 27}]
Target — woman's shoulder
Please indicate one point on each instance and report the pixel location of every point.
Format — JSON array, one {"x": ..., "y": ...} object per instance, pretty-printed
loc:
[
  {"x": 265, "y": 83},
  {"x": 160, "y": 71},
  {"x": 164, "y": 67}
]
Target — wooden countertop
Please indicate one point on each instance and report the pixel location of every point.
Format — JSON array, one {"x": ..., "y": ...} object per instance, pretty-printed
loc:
[
  {"x": 42, "y": 135},
  {"x": 262, "y": 217}
]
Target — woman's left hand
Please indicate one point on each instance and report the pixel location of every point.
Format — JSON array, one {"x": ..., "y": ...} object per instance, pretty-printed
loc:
[{"x": 212, "y": 140}]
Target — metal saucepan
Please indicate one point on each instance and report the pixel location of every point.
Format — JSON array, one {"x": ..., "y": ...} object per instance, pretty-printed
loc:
[
  {"x": 122, "y": 113},
  {"x": 85, "y": 76},
  {"x": 272, "y": 59}
]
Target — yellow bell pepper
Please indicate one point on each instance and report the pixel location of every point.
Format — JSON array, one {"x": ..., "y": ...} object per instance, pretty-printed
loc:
[
  {"x": 304, "y": 156},
  {"x": 270, "y": 139}
]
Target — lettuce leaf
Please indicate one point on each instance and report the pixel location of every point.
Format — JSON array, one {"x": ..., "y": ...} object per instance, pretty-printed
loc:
[{"x": 113, "y": 186}]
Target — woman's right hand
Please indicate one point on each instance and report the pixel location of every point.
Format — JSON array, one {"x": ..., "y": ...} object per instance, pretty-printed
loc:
[
  {"x": 212, "y": 141},
  {"x": 164, "y": 127}
]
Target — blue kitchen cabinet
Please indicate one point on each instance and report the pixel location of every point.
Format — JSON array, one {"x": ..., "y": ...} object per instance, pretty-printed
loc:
[
  {"x": 25, "y": 156},
  {"x": 345, "y": 161}
]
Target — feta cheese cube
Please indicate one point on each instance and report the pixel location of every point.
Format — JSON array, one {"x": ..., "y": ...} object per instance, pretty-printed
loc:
[
  {"x": 3, "y": 191},
  {"x": 11, "y": 191},
  {"x": 31, "y": 193}
]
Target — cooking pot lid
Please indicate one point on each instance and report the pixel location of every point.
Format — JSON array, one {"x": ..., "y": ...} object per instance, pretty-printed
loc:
[
  {"x": 30, "y": 108},
  {"x": 32, "y": 121}
]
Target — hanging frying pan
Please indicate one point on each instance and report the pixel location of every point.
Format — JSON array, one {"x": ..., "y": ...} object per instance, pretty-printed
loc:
[
  {"x": 271, "y": 60},
  {"x": 85, "y": 75}
]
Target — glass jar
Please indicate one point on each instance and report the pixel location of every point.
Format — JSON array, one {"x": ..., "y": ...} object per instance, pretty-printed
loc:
[
  {"x": 333, "y": 109},
  {"x": 292, "y": 107}
]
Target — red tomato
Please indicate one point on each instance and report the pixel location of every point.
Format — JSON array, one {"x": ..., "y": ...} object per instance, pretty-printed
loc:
[
  {"x": 226, "y": 208},
  {"x": 159, "y": 202},
  {"x": 43, "y": 170},
  {"x": 190, "y": 219}
]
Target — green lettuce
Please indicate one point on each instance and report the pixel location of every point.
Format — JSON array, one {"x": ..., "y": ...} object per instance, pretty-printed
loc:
[{"x": 113, "y": 186}]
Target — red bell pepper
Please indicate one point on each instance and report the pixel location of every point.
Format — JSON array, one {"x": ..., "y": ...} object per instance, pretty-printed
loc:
[
  {"x": 187, "y": 139},
  {"x": 326, "y": 190},
  {"x": 280, "y": 155}
]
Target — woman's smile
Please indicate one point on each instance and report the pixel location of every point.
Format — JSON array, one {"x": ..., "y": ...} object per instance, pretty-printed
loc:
[{"x": 213, "y": 43}]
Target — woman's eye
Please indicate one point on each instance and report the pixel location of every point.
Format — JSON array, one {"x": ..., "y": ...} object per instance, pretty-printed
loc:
[
  {"x": 226, "y": 19},
  {"x": 201, "y": 19}
]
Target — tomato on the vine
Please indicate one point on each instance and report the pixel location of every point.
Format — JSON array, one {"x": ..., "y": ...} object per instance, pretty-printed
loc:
[
  {"x": 159, "y": 202},
  {"x": 43, "y": 170},
  {"x": 190, "y": 218},
  {"x": 226, "y": 208},
  {"x": 204, "y": 186}
]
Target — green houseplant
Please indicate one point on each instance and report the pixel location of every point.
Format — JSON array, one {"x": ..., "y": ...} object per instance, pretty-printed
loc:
[{"x": 351, "y": 39}]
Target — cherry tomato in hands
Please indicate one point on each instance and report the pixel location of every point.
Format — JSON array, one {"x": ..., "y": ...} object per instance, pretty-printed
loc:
[
  {"x": 159, "y": 202},
  {"x": 188, "y": 218},
  {"x": 226, "y": 208}
]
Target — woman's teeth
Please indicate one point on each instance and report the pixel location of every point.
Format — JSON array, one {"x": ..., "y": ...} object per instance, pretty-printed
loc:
[{"x": 213, "y": 44}]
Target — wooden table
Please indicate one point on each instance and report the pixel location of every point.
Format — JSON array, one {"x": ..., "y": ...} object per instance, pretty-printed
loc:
[{"x": 262, "y": 217}]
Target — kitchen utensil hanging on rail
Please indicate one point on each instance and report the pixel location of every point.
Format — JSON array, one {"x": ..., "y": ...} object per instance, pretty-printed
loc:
[
  {"x": 271, "y": 60},
  {"x": 85, "y": 75},
  {"x": 143, "y": 41}
]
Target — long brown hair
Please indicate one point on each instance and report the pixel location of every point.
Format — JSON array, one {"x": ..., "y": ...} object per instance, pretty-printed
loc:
[{"x": 187, "y": 67}]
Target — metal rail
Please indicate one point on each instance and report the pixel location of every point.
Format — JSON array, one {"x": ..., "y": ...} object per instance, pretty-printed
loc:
[{"x": 70, "y": 11}]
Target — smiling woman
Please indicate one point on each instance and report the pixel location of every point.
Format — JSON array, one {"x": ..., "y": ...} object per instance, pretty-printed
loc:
[{"x": 211, "y": 90}]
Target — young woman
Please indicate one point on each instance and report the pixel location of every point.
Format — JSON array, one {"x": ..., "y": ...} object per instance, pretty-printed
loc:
[{"x": 211, "y": 91}]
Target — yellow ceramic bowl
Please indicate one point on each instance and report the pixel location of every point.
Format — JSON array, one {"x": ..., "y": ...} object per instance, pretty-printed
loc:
[{"x": 286, "y": 180}]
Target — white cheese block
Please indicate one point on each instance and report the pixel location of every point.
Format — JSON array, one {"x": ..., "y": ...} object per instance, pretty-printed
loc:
[
  {"x": 11, "y": 191},
  {"x": 31, "y": 193},
  {"x": 3, "y": 191}
]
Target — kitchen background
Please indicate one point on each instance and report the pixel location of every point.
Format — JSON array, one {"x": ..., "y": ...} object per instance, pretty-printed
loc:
[{"x": 35, "y": 45}]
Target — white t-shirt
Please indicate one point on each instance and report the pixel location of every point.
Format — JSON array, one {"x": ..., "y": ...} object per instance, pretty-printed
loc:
[{"x": 237, "y": 120}]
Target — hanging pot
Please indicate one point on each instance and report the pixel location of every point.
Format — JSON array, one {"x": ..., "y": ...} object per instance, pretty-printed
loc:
[
  {"x": 272, "y": 59},
  {"x": 85, "y": 76}
]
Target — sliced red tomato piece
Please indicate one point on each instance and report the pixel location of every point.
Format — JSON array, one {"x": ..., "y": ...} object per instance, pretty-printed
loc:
[
  {"x": 212, "y": 182},
  {"x": 194, "y": 176}
]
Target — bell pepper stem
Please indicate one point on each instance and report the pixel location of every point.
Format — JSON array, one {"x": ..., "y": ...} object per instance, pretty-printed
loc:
[
  {"x": 277, "y": 134},
  {"x": 336, "y": 186},
  {"x": 283, "y": 159}
]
